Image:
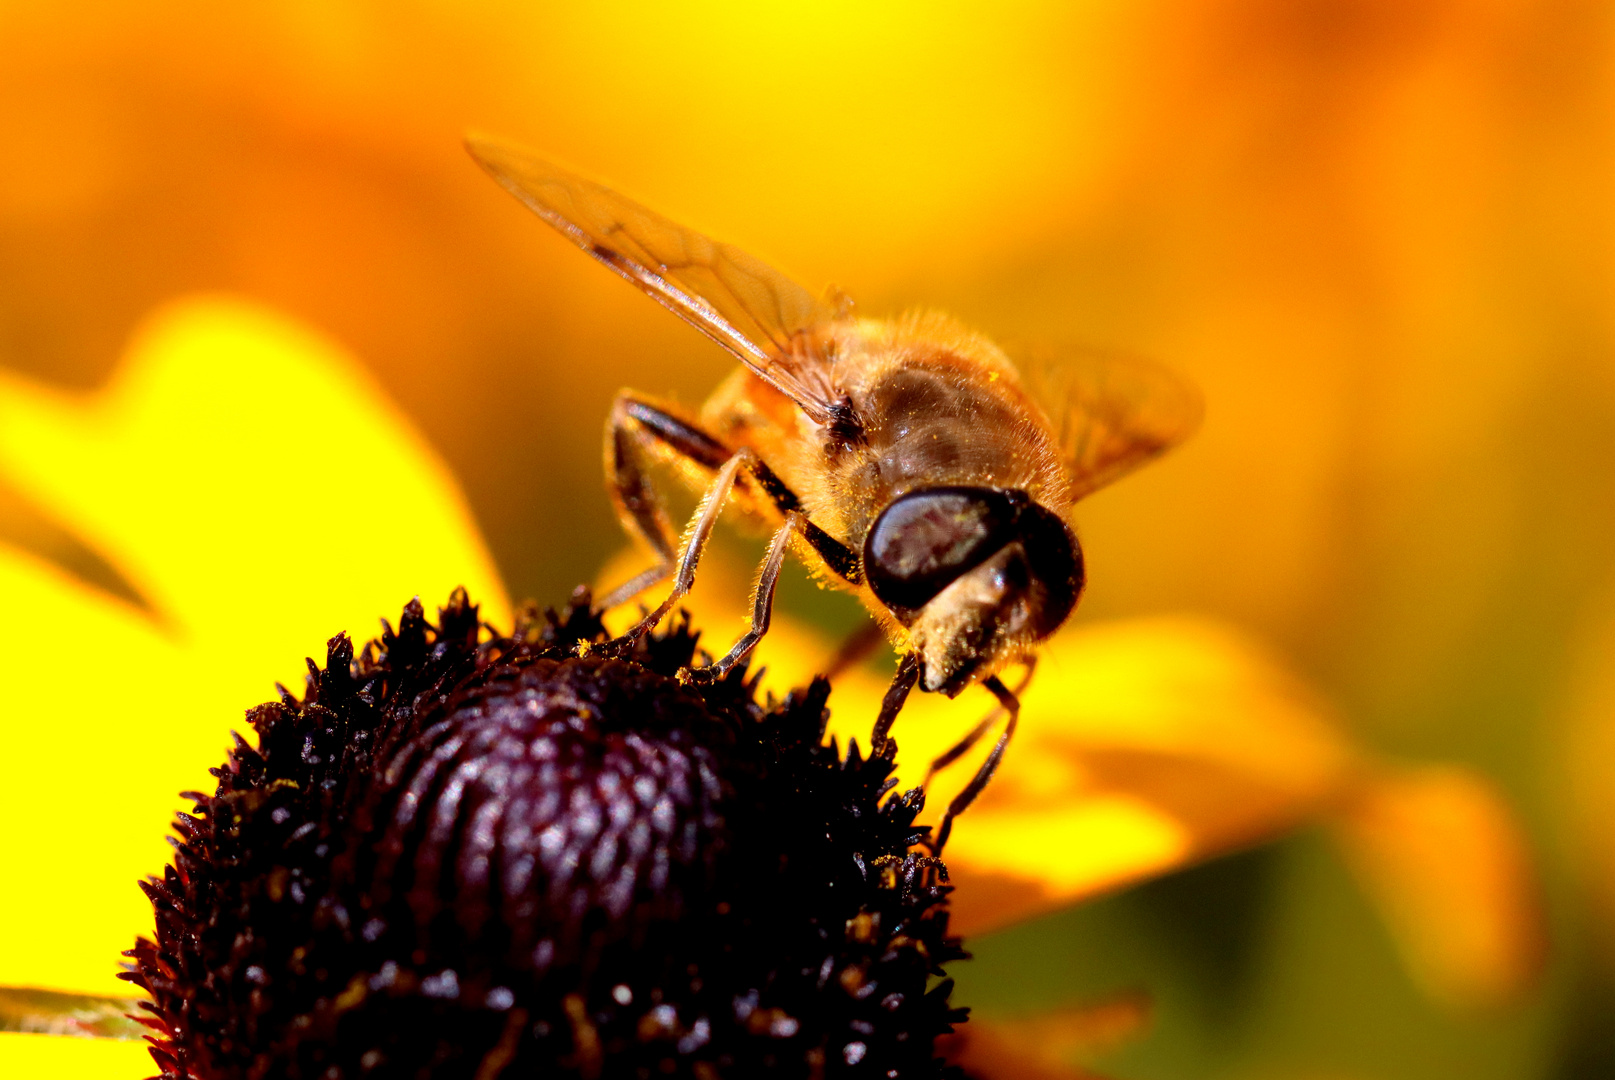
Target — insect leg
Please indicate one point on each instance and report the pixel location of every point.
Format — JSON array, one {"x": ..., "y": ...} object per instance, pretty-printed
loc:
[
  {"x": 634, "y": 586},
  {"x": 962, "y": 800},
  {"x": 843, "y": 562},
  {"x": 638, "y": 426},
  {"x": 706, "y": 516},
  {"x": 908, "y": 673},
  {"x": 962, "y": 747},
  {"x": 841, "y": 559},
  {"x": 638, "y": 432},
  {"x": 762, "y": 606}
]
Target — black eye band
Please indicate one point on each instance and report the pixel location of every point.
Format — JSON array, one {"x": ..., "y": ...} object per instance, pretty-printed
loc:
[{"x": 925, "y": 540}]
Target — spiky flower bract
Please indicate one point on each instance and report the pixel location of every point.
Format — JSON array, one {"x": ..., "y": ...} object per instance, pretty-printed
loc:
[{"x": 465, "y": 854}]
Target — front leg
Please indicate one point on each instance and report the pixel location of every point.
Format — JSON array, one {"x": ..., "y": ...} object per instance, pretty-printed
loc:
[
  {"x": 762, "y": 608},
  {"x": 908, "y": 673}
]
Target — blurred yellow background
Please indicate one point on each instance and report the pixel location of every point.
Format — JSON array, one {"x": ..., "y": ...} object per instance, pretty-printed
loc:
[{"x": 1378, "y": 233}]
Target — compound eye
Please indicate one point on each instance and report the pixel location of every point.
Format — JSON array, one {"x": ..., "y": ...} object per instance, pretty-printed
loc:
[
  {"x": 922, "y": 542},
  {"x": 1054, "y": 562}
]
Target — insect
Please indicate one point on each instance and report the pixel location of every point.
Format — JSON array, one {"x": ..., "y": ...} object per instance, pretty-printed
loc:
[{"x": 907, "y": 460}]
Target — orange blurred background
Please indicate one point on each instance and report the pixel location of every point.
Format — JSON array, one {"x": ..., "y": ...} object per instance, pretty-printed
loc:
[{"x": 1378, "y": 234}]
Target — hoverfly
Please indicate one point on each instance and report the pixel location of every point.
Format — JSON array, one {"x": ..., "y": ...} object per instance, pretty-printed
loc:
[{"x": 906, "y": 460}]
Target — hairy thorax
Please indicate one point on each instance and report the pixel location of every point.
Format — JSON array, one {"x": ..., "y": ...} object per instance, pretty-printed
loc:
[{"x": 925, "y": 412}]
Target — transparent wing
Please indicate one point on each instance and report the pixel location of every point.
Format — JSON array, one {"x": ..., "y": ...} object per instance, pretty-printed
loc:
[
  {"x": 1111, "y": 413},
  {"x": 739, "y": 301}
]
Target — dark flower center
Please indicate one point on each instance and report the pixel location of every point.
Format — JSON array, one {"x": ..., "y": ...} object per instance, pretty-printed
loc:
[{"x": 471, "y": 856}]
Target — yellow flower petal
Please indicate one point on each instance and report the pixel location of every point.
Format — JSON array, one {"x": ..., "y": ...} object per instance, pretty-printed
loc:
[
  {"x": 1440, "y": 851},
  {"x": 1012, "y": 864},
  {"x": 95, "y": 756},
  {"x": 1144, "y": 745},
  {"x": 262, "y": 496},
  {"x": 58, "y": 1057},
  {"x": 252, "y": 484}
]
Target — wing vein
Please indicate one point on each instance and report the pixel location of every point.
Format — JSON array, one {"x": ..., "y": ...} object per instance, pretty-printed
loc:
[{"x": 770, "y": 323}]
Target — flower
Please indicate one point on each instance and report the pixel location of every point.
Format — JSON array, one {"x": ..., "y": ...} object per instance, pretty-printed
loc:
[
  {"x": 467, "y": 854},
  {"x": 245, "y": 485}
]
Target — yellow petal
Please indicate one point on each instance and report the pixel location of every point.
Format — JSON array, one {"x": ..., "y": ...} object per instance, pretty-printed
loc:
[
  {"x": 1144, "y": 745},
  {"x": 252, "y": 483},
  {"x": 1448, "y": 864},
  {"x": 96, "y": 752},
  {"x": 59, "y": 1057},
  {"x": 1013, "y": 864},
  {"x": 257, "y": 490}
]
